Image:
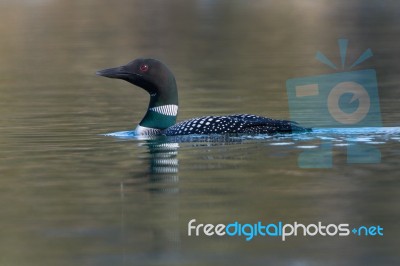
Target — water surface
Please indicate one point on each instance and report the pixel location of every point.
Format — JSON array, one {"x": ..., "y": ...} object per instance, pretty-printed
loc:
[{"x": 70, "y": 195}]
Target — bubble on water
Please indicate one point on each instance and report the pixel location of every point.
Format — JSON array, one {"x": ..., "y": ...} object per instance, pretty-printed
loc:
[
  {"x": 121, "y": 134},
  {"x": 307, "y": 147},
  {"x": 376, "y": 142},
  {"x": 281, "y": 143},
  {"x": 360, "y": 139}
]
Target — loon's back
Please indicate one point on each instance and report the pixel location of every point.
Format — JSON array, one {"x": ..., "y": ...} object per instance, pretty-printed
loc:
[{"x": 236, "y": 124}]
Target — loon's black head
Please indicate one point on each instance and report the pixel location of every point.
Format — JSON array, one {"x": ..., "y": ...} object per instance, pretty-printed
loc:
[
  {"x": 156, "y": 78},
  {"x": 149, "y": 74}
]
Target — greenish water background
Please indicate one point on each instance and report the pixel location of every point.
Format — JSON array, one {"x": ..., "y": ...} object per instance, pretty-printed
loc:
[{"x": 71, "y": 196}]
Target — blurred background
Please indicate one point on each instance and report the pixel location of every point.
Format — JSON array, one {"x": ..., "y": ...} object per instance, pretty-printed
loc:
[{"x": 70, "y": 195}]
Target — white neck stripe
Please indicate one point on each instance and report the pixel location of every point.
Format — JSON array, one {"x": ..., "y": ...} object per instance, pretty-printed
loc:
[{"x": 170, "y": 109}]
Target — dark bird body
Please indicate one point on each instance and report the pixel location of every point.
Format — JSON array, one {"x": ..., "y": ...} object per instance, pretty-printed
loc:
[
  {"x": 160, "y": 118},
  {"x": 240, "y": 123}
]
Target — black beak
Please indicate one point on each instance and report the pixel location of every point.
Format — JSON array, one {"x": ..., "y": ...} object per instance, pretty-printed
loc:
[
  {"x": 115, "y": 73},
  {"x": 125, "y": 73}
]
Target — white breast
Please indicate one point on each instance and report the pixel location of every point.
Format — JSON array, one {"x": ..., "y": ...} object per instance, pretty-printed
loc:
[{"x": 147, "y": 131}]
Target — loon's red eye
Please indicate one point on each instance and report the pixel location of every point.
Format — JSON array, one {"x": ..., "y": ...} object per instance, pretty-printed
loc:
[{"x": 144, "y": 68}]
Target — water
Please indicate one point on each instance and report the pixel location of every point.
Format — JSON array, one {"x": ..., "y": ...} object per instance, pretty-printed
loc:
[{"x": 72, "y": 196}]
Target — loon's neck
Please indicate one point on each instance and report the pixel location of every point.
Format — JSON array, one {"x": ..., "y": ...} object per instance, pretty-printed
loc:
[
  {"x": 160, "y": 117},
  {"x": 161, "y": 112}
]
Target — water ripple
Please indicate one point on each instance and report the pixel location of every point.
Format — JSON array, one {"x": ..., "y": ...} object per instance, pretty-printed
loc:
[{"x": 370, "y": 135}]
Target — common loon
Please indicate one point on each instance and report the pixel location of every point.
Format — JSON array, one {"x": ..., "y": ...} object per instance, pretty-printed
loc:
[{"x": 160, "y": 118}]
